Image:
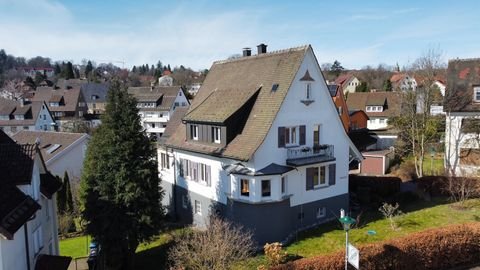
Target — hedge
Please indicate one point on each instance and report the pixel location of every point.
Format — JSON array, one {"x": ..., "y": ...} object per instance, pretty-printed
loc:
[
  {"x": 440, "y": 248},
  {"x": 383, "y": 186}
]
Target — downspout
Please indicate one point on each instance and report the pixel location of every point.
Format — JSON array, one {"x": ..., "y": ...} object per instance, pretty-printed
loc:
[{"x": 27, "y": 253}]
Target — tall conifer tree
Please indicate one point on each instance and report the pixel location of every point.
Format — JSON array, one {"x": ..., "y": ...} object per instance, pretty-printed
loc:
[{"x": 120, "y": 184}]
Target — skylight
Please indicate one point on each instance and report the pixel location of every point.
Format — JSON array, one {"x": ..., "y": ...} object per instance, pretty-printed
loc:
[{"x": 53, "y": 148}]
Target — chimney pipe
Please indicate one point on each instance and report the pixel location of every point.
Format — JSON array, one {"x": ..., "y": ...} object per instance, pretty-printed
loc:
[
  {"x": 262, "y": 48},
  {"x": 247, "y": 52}
]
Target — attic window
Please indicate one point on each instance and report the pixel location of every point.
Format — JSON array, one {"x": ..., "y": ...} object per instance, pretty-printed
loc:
[
  {"x": 53, "y": 148},
  {"x": 476, "y": 93},
  {"x": 274, "y": 87}
]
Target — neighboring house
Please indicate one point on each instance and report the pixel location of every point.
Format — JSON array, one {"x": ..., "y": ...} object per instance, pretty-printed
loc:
[
  {"x": 462, "y": 108},
  {"x": 32, "y": 71},
  {"x": 376, "y": 162},
  {"x": 379, "y": 106},
  {"x": 95, "y": 96},
  {"x": 348, "y": 82},
  {"x": 157, "y": 105},
  {"x": 66, "y": 104},
  {"x": 261, "y": 145},
  {"x": 22, "y": 115},
  {"x": 61, "y": 151},
  {"x": 28, "y": 218},
  {"x": 403, "y": 82},
  {"x": 166, "y": 80},
  {"x": 339, "y": 100},
  {"x": 193, "y": 88}
]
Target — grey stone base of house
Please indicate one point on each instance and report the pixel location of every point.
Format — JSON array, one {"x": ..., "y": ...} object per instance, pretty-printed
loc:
[{"x": 269, "y": 222}]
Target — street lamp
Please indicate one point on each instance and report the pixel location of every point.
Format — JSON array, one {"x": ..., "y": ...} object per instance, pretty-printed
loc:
[{"x": 347, "y": 222}]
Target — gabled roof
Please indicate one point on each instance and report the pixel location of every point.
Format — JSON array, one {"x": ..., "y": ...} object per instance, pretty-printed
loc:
[
  {"x": 397, "y": 77},
  {"x": 167, "y": 94},
  {"x": 359, "y": 101},
  {"x": 48, "y": 140},
  {"x": 16, "y": 163},
  {"x": 239, "y": 79},
  {"x": 174, "y": 122},
  {"x": 462, "y": 76},
  {"x": 344, "y": 78},
  {"x": 17, "y": 109},
  {"x": 70, "y": 98},
  {"x": 99, "y": 90}
]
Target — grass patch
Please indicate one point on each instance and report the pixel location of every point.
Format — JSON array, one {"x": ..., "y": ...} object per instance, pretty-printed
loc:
[
  {"x": 431, "y": 166},
  {"x": 75, "y": 247}
]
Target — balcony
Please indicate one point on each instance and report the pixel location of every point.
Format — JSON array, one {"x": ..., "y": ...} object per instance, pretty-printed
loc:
[{"x": 310, "y": 155}]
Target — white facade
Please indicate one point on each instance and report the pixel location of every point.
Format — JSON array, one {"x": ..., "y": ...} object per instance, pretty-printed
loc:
[
  {"x": 407, "y": 83},
  {"x": 69, "y": 160},
  {"x": 41, "y": 231},
  {"x": 155, "y": 121},
  {"x": 320, "y": 111},
  {"x": 351, "y": 85},
  {"x": 377, "y": 123},
  {"x": 440, "y": 86},
  {"x": 193, "y": 89}
]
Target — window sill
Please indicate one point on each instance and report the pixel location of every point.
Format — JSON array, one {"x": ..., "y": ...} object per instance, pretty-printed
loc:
[{"x": 320, "y": 187}]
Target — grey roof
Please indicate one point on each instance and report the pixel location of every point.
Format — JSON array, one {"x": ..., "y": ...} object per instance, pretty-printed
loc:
[
  {"x": 15, "y": 108},
  {"x": 332, "y": 88},
  {"x": 99, "y": 90},
  {"x": 271, "y": 169}
]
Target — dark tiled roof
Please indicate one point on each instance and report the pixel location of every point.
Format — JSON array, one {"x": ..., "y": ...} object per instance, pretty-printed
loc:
[
  {"x": 50, "y": 262},
  {"x": 272, "y": 169},
  {"x": 378, "y": 100},
  {"x": 361, "y": 138},
  {"x": 332, "y": 88},
  {"x": 22, "y": 110},
  {"x": 359, "y": 101},
  {"x": 15, "y": 209},
  {"x": 47, "y": 140},
  {"x": 7, "y": 106},
  {"x": 56, "y": 98},
  {"x": 462, "y": 76},
  {"x": 241, "y": 78},
  {"x": 98, "y": 90},
  {"x": 49, "y": 184},
  {"x": 173, "y": 123},
  {"x": 16, "y": 163},
  {"x": 5, "y": 139}
]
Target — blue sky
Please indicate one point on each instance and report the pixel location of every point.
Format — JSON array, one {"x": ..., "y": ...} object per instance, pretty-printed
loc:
[{"x": 196, "y": 33}]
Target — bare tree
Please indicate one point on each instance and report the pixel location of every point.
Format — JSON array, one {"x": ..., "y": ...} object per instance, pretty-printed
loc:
[
  {"x": 391, "y": 212},
  {"x": 218, "y": 247},
  {"x": 462, "y": 188},
  {"x": 418, "y": 128}
]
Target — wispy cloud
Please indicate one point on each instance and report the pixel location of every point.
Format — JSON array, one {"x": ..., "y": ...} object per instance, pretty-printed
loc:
[{"x": 367, "y": 17}]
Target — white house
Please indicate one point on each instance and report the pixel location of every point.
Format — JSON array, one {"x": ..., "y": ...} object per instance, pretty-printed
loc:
[
  {"x": 61, "y": 151},
  {"x": 403, "y": 82},
  {"x": 261, "y": 145},
  {"x": 22, "y": 115},
  {"x": 28, "y": 218},
  {"x": 348, "y": 82},
  {"x": 462, "y": 110},
  {"x": 157, "y": 105}
]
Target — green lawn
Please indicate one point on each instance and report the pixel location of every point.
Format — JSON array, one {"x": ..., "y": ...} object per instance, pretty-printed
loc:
[
  {"x": 74, "y": 247},
  {"x": 419, "y": 215},
  {"x": 431, "y": 166}
]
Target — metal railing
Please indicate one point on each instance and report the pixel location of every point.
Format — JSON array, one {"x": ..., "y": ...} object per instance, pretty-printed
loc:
[{"x": 306, "y": 151}]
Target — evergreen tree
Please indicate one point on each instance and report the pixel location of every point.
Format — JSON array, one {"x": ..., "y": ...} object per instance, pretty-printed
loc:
[
  {"x": 336, "y": 68},
  {"x": 387, "y": 85},
  {"x": 61, "y": 200},
  {"x": 134, "y": 69},
  {"x": 362, "y": 87},
  {"x": 168, "y": 67},
  {"x": 88, "y": 69},
  {"x": 68, "y": 193},
  {"x": 120, "y": 185},
  {"x": 69, "y": 71},
  {"x": 39, "y": 77}
]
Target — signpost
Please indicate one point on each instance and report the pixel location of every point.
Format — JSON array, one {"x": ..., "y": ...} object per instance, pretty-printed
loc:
[{"x": 353, "y": 256}]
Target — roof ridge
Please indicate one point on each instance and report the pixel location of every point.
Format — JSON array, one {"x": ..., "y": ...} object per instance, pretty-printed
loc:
[
  {"x": 464, "y": 59},
  {"x": 292, "y": 49}
]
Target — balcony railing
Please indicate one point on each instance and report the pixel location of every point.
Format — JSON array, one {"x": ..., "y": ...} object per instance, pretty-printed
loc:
[{"x": 307, "y": 152}]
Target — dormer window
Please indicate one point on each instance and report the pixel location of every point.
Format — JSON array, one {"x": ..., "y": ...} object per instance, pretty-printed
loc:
[
  {"x": 194, "y": 132},
  {"x": 216, "y": 131},
  {"x": 476, "y": 93}
]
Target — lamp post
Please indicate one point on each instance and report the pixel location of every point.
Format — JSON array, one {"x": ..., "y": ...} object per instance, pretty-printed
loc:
[{"x": 347, "y": 222}]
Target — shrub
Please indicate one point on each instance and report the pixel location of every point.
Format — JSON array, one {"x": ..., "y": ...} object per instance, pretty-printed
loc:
[
  {"x": 391, "y": 212},
  {"x": 440, "y": 248},
  {"x": 274, "y": 254}
]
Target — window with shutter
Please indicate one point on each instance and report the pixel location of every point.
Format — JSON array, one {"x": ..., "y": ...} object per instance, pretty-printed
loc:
[
  {"x": 281, "y": 137},
  {"x": 302, "y": 135},
  {"x": 332, "y": 174}
]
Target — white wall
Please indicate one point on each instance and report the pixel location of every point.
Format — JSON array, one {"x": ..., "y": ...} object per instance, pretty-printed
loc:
[
  {"x": 12, "y": 252},
  {"x": 351, "y": 85},
  {"x": 293, "y": 113},
  {"x": 40, "y": 123},
  {"x": 377, "y": 123},
  {"x": 70, "y": 160}
]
